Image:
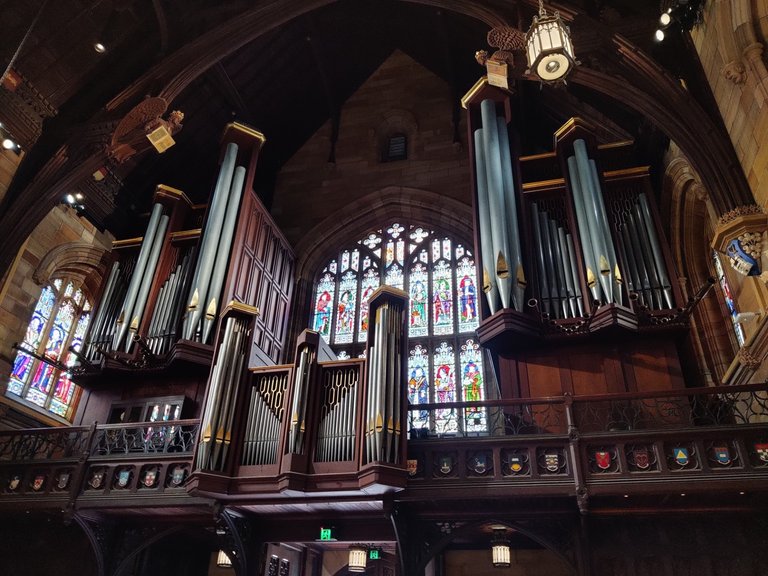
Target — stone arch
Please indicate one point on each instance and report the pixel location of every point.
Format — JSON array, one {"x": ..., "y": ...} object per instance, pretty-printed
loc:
[
  {"x": 692, "y": 225},
  {"x": 322, "y": 242},
  {"x": 412, "y": 204},
  {"x": 80, "y": 261}
]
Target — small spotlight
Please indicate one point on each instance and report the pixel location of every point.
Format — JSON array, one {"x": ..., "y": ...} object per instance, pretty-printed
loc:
[
  {"x": 69, "y": 198},
  {"x": 626, "y": 495},
  {"x": 9, "y": 144},
  {"x": 78, "y": 196},
  {"x": 742, "y": 492},
  {"x": 682, "y": 493},
  {"x": 665, "y": 19},
  {"x": 99, "y": 47},
  {"x": 659, "y": 35}
]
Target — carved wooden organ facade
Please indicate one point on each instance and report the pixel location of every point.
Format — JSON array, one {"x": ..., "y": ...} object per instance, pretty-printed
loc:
[{"x": 208, "y": 400}]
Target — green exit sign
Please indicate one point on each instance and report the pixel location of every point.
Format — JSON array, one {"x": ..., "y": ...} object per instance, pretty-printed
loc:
[
  {"x": 326, "y": 534},
  {"x": 374, "y": 554}
]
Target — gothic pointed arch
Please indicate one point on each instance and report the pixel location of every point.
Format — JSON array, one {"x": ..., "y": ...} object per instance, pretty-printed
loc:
[{"x": 692, "y": 226}]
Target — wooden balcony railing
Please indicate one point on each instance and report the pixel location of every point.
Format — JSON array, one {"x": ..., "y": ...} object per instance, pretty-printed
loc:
[
  {"x": 585, "y": 446},
  {"x": 56, "y": 466}
]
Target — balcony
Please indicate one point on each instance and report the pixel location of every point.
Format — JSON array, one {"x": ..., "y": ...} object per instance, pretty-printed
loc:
[{"x": 705, "y": 440}]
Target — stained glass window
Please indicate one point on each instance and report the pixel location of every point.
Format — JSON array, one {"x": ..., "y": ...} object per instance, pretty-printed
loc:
[
  {"x": 730, "y": 303},
  {"x": 438, "y": 273},
  {"x": 40, "y": 372}
]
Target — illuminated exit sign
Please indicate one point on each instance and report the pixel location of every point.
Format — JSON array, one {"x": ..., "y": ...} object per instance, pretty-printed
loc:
[
  {"x": 327, "y": 534},
  {"x": 374, "y": 554}
]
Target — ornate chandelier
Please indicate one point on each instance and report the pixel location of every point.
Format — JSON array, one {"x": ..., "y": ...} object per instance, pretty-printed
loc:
[{"x": 549, "y": 48}]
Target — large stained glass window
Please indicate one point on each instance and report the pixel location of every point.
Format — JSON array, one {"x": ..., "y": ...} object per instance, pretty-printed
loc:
[
  {"x": 40, "y": 373},
  {"x": 438, "y": 273}
]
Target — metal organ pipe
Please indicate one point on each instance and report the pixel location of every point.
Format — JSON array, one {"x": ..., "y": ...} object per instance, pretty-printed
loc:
[
  {"x": 101, "y": 311},
  {"x": 605, "y": 228},
  {"x": 299, "y": 407},
  {"x": 592, "y": 209},
  {"x": 222, "y": 252},
  {"x": 510, "y": 203},
  {"x": 126, "y": 314},
  {"x": 209, "y": 243},
  {"x": 541, "y": 259},
  {"x": 486, "y": 247},
  {"x": 499, "y": 233},
  {"x": 658, "y": 257},
  {"x": 147, "y": 277},
  {"x": 584, "y": 236}
]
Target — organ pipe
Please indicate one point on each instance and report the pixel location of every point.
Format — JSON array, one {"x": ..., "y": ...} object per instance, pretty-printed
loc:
[
  {"x": 223, "y": 250},
  {"x": 126, "y": 314},
  {"x": 383, "y": 406},
  {"x": 503, "y": 276},
  {"x": 224, "y": 383},
  {"x": 499, "y": 233},
  {"x": 658, "y": 257},
  {"x": 484, "y": 216},
  {"x": 209, "y": 243},
  {"x": 147, "y": 277},
  {"x": 106, "y": 299},
  {"x": 510, "y": 203}
]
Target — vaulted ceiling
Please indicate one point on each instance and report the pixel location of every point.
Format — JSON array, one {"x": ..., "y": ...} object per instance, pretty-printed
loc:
[{"x": 285, "y": 68}]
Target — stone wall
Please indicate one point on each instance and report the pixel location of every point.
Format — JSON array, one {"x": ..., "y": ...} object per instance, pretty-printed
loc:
[
  {"x": 400, "y": 97},
  {"x": 734, "y": 61}
]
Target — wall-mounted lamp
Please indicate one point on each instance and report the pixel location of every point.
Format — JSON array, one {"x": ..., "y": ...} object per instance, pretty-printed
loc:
[
  {"x": 223, "y": 560},
  {"x": 501, "y": 555},
  {"x": 358, "y": 558}
]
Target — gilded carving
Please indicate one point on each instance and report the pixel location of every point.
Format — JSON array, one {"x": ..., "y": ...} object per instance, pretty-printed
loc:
[{"x": 130, "y": 136}]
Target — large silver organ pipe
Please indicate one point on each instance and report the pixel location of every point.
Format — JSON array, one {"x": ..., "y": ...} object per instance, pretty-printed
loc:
[
  {"x": 224, "y": 383},
  {"x": 497, "y": 211},
  {"x": 222, "y": 252},
  {"x": 139, "y": 272},
  {"x": 299, "y": 402},
  {"x": 209, "y": 244},
  {"x": 488, "y": 275},
  {"x": 146, "y": 281},
  {"x": 382, "y": 421},
  {"x": 603, "y": 275}
]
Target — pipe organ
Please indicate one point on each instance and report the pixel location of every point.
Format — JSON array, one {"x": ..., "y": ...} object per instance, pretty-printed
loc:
[
  {"x": 224, "y": 388},
  {"x": 166, "y": 288},
  {"x": 385, "y": 352},
  {"x": 569, "y": 247}
]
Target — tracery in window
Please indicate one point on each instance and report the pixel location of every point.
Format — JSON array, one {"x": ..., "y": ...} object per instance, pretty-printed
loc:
[
  {"x": 40, "y": 372},
  {"x": 438, "y": 273}
]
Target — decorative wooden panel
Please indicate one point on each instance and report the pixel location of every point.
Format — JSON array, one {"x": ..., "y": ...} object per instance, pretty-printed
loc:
[{"x": 262, "y": 276}]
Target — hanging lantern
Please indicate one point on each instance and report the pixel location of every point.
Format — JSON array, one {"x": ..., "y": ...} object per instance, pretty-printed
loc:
[
  {"x": 358, "y": 557},
  {"x": 223, "y": 560},
  {"x": 500, "y": 552},
  {"x": 549, "y": 48}
]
